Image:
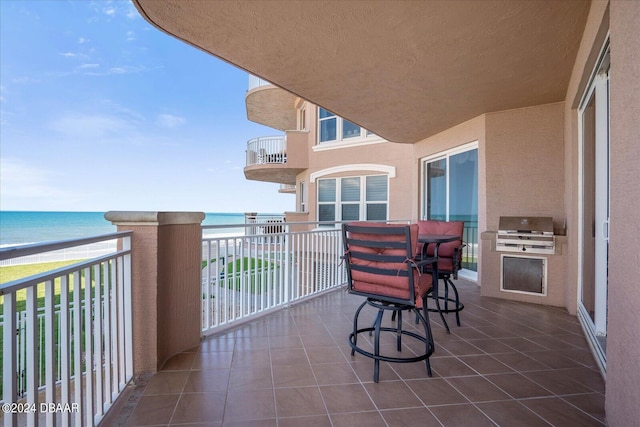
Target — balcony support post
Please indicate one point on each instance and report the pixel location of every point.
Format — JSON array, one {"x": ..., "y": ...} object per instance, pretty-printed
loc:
[{"x": 166, "y": 283}]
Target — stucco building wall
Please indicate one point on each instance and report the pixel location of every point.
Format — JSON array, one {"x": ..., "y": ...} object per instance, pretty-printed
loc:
[
  {"x": 623, "y": 341},
  {"x": 524, "y": 152}
]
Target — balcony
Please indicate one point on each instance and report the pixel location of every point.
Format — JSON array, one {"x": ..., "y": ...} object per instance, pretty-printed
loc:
[
  {"x": 277, "y": 159},
  {"x": 508, "y": 361},
  {"x": 276, "y": 352},
  {"x": 287, "y": 188},
  {"x": 270, "y": 105}
]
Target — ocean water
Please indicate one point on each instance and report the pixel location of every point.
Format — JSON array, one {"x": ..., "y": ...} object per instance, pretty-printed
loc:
[{"x": 22, "y": 227}]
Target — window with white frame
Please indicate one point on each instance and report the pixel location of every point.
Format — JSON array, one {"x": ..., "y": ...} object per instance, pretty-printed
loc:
[
  {"x": 332, "y": 128},
  {"x": 303, "y": 196},
  {"x": 353, "y": 198},
  {"x": 302, "y": 125}
]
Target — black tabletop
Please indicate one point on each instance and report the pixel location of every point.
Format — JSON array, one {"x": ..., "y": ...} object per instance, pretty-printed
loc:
[{"x": 437, "y": 238}]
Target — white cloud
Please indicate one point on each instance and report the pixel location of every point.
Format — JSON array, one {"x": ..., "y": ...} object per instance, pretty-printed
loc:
[
  {"x": 126, "y": 69},
  {"x": 91, "y": 126},
  {"x": 84, "y": 66},
  {"x": 170, "y": 121},
  {"x": 132, "y": 13},
  {"x": 23, "y": 80},
  {"x": 23, "y": 184}
]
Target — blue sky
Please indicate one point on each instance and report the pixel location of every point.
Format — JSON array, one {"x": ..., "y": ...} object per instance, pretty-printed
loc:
[{"x": 101, "y": 111}]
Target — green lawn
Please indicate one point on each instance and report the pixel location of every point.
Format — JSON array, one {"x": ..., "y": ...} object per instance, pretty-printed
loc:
[
  {"x": 15, "y": 272},
  {"x": 11, "y": 273},
  {"x": 255, "y": 269}
]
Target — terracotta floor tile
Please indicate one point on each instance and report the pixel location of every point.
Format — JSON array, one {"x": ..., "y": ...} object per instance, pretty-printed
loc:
[
  {"x": 557, "y": 382},
  {"x": 520, "y": 362},
  {"x": 561, "y": 413},
  {"x": 312, "y": 421},
  {"x": 436, "y": 391},
  {"x": 591, "y": 403},
  {"x": 249, "y": 405},
  {"x": 334, "y": 373},
  {"x": 505, "y": 412},
  {"x": 199, "y": 407},
  {"x": 485, "y": 364},
  {"x": 508, "y": 361},
  {"x": 212, "y": 360},
  {"x": 415, "y": 417},
  {"x": 346, "y": 398},
  {"x": 460, "y": 415},
  {"x": 477, "y": 389},
  {"x": 368, "y": 419},
  {"x": 288, "y": 357},
  {"x": 518, "y": 386},
  {"x": 250, "y": 378},
  {"x": 293, "y": 376},
  {"x": 207, "y": 381},
  {"x": 299, "y": 401},
  {"x": 392, "y": 395},
  {"x": 167, "y": 382},
  {"x": 450, "y": 367},
  {"x": 152, "y": 410}
]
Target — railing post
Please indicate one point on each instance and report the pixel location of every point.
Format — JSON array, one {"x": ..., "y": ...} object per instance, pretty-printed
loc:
[
  {"x": 287, "y": 265},
  {"x": 165, "y": 283},
  {"x": 9, "y": 350}
]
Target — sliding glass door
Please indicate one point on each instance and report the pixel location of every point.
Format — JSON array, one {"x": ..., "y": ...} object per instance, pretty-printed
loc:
[
  {"x": 450, "y": 193},
  {"x": 594, "y": 209}
]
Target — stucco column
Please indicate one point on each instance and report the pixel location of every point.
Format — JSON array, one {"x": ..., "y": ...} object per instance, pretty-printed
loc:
[{"x": 166, "y": 283}]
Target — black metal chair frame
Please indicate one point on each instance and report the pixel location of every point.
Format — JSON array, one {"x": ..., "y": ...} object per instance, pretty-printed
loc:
[
  {"x": 383, "y": 302},
  {"x": 446, "y": 278}
]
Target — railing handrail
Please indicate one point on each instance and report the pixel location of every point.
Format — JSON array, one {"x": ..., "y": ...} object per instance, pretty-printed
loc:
[
  {"x": 25, "y": 282},
  {"x": 255, "y": 82},
  {"x": 318, "y": 223},
  {"x": 36, "y": 248}
]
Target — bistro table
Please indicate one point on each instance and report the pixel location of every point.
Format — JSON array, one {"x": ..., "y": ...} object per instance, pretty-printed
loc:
[{"x": 438, "y": 239}]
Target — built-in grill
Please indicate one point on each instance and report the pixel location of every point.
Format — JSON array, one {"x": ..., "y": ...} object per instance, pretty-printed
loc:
[{"x": 533, "y": 235}]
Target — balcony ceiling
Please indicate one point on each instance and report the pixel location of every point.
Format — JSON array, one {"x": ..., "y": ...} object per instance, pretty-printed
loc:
[{"x": 403, "y": 69}]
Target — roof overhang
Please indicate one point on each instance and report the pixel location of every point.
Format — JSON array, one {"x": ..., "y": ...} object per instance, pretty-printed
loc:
[{"x": 402, "y": 69}]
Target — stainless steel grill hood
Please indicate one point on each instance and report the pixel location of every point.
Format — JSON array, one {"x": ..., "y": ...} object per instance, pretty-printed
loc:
[{"x": 526, "y": 234}]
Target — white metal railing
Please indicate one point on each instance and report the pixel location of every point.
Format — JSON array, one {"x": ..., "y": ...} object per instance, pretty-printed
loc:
[
  {"x": 255, "y": 82},
  {"x": 264, "y": 224},
  {"x": 287, "y": 188},
  {"x": 267, "y": 150},
  {"x": 67, "y": 336},
  {"x": 68, "y": 254},
  {"x": 251, "y": 274}
]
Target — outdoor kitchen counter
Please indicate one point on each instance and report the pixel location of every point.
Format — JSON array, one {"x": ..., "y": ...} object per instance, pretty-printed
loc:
[{"x": 561, "y": 240}]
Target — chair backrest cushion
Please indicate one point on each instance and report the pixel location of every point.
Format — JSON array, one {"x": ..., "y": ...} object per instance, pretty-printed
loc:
[
  {"x": 385, "y": 259},
  {"x": 446, "y": 250}
]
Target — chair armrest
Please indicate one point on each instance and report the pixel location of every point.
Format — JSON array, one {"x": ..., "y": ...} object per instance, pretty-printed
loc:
[
  {"x": 457, "y": 260},
  {"x": 420, "y": 262}
]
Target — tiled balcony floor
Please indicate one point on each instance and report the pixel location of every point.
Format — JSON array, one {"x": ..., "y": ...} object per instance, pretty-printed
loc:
[{"x": 508, "y": 364}]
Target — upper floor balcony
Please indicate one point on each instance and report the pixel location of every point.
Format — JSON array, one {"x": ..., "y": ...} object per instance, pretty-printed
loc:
[
  {"x": 270, "y": 105},
  {"x": 277, "y": 159},
  {"x": 287, "y": 188}
]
